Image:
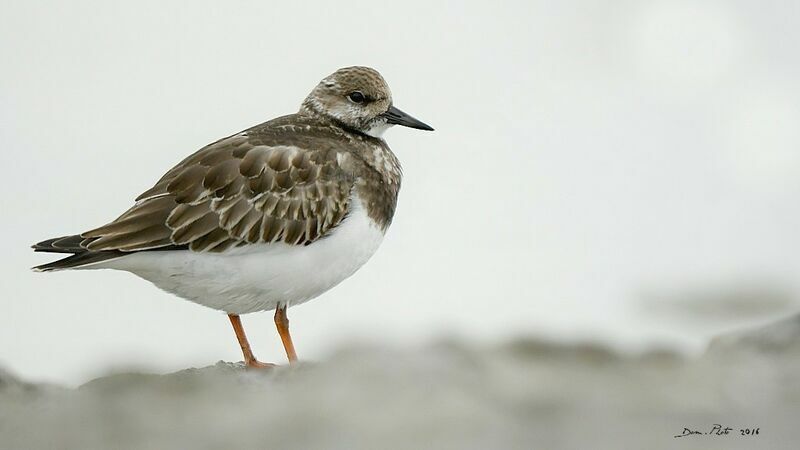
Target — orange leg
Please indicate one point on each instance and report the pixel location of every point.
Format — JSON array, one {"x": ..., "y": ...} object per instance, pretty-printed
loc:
[
  {"x": 282, "y": 323},
  {"x": 249, "y": 359}
]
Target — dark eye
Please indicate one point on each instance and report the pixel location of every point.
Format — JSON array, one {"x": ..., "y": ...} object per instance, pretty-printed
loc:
[{"x": 356, "y": 97}]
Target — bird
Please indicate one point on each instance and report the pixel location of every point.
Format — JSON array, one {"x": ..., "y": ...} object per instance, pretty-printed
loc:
[{"x": 267, "y": 218}]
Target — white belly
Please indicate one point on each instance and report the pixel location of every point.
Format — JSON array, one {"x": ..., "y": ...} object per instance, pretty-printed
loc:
[{"x": 259, "y": 277}]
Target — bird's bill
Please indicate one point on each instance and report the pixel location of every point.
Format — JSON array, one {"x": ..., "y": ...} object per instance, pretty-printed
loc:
[{"x": 396, "y": 117}]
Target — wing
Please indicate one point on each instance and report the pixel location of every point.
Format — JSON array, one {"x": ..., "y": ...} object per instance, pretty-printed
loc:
[{"x": 238, "y": 191}]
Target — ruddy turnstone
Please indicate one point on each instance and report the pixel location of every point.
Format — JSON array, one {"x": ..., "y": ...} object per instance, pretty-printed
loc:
[{"x": 267, "y": 218}]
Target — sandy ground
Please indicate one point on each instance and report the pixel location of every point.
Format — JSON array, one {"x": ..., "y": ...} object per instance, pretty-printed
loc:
[{"x": 528, "y": 394}]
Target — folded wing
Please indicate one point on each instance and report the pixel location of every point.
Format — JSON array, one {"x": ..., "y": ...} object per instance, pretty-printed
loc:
[{"x": 238, "y": 191}]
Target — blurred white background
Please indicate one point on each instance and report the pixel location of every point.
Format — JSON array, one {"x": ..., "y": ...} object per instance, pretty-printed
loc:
[{"x": 593, "y": 163}]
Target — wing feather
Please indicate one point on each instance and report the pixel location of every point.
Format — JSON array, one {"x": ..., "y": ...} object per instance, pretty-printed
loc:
[{"x": 238, "y": 191}]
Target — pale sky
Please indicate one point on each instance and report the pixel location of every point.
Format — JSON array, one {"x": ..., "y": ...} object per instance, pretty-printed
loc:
[{"x": 586, "y": 155}]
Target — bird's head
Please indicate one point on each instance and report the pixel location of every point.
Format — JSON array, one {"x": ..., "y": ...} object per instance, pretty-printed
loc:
[{"x": 358, "y": 98}]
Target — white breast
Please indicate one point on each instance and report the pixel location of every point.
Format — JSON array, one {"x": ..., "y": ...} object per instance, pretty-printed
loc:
[{"x": 259, "y": 277}]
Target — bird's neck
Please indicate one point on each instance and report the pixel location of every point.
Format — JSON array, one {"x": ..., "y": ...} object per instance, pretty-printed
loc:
[{"x": 310, "y": 108}]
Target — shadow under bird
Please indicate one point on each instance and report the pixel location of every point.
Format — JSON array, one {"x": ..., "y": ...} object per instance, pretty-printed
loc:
[{"x": 268, "y": 218}]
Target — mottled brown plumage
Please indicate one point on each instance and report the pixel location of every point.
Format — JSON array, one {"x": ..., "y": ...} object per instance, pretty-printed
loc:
[
  {"x": 280, "y": 190},
  {"x": 288, "y": 180}
]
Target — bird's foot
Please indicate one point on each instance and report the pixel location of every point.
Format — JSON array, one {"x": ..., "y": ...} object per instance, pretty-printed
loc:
[{"x": 256, "y": 364}]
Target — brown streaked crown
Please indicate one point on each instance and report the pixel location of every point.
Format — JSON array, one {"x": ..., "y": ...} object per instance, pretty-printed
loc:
[{"x": 336, "y": 98}]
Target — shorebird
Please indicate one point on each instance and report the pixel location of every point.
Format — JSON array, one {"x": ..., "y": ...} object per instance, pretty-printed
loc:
[{"x": 267, "y": 218}]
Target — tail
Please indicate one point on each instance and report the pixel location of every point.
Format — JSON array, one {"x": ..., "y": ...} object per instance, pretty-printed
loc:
[{"x": 79, "y": 256}]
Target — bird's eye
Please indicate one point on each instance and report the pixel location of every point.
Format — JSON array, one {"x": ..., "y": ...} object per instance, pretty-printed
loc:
[{"x": 357, "y": 97}]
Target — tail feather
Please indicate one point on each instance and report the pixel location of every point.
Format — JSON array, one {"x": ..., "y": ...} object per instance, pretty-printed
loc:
[
  {"x": 78, "y": 260},
  {"x": 63, "y": 244},
  {"x": 79, "y": 257}
]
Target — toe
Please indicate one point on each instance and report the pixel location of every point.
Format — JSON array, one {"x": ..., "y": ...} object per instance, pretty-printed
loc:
[{"x": 256, "y": 364}]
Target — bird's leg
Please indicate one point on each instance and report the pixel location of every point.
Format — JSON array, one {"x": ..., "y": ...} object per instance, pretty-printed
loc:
[
  {"x": 282, "y": 323},
  {"x": 249, "y": 359}
]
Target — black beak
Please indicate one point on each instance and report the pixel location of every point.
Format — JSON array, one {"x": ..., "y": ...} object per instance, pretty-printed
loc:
[{"x": 397, "y": 117}]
